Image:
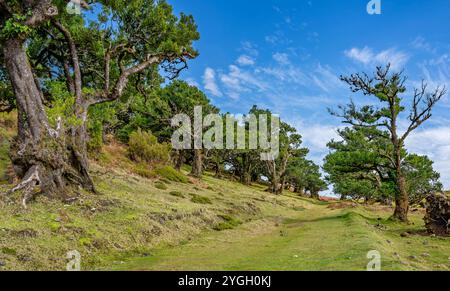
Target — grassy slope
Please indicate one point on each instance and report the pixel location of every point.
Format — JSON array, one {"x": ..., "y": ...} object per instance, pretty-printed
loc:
[
  {"x": 130, "y": 218},
  {"x": 135, "y": 225},
  {"x": 314, "y": 239}
]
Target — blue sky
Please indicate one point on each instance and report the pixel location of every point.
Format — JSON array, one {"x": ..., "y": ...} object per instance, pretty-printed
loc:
[{"x": 287, "y": 56}]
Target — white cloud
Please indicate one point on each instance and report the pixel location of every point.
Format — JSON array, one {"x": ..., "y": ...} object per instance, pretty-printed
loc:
[
  {"x": 368, "y": 57},
  {"x": 281, "y": 58},
  {"x": 435, "y": 143},
  {"x": 245, "y": 60},
  {"x": 238, "y": 81},
  {"x": 209, "y": 81},
  {"x": 250, "y": 48},
  {"x": 364, "y": 55},
  {"x": 192, "y": 82},
  {"x": 285, "y": 74},
  {"x": 436, "y": 73},
  {"x": 420, "y": 43},
  {"x": 325, "y": 78},
  {"x": 273, "y": 39},
  {"x": 317, "y": 136}
]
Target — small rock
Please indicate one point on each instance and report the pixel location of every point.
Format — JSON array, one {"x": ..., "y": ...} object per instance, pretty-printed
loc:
[
  {"x": 412, "y": 257},
  {"x": 405, "y": 234},
  {"x": 426, "y": 255},
  {"x": 2, "y": 264}
]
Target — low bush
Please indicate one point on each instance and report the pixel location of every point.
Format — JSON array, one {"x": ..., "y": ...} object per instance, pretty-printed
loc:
[
  {"x": 169, "y": 173},
  {"x": 160, "y": 186},
  {"x": 228, "y": 223},
  {"x": 144, "y": 147},
  {"x": 200, "y": 199},
  {"x": 142, "y": 170},
  {"x": 177, "y": 194}
]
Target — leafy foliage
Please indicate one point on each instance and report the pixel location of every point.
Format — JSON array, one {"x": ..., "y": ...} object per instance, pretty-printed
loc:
[
  {"x": 171, "y": 174},
  {"x": 359, "y": 167},
  {"x": 144, "y": 147}
]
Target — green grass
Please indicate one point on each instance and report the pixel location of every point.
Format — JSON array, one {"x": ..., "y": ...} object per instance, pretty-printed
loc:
[
  {"x": 318, "y": 239},
  {"x": 221, "y": 225}
]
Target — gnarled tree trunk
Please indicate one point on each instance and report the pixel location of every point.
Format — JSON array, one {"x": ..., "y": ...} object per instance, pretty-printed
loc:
[
  {"x": 401, "y": 198},
  {"x": 42, "y": 157}
]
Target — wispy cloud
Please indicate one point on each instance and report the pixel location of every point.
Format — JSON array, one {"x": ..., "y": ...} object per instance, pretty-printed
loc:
[
  {"x": 238, "y": 80},
  {"x": 326, "y": 79},
  {"x": 436, "y": 73},
  {"x": 369, "y": 57},
  {"x": 435, "y": 143},
  {"x": 420, "y": 43},
  {"x": 245, "y": 60},
  {"x": 209, "y": 82},
  {"x": 281, "y": 58},
  {"x": 192, "y": 82},
  {"x": 316, "y": 137},
  {"x": 250, "y": 48}
]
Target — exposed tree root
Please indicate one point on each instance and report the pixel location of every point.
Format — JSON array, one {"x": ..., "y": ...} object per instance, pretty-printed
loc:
[{"x": 28, "y": 185}]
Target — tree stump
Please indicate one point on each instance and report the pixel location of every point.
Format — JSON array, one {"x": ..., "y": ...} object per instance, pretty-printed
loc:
[{"x": 438, "y": 214}]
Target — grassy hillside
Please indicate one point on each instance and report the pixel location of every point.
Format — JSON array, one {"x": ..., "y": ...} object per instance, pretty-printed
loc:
[
  {"x": 154, "y": 223},
  {"x": 317, "y": 238},
  {"x": 207, "y": 225}
]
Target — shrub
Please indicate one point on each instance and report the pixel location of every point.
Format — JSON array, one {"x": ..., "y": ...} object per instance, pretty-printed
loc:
[
  {"x": 200, "y": 199},
  {"x": 165, "y": 181},
  {"x": 169, "y": 173},
  {"x": 177, "y": 194},
  {"x": 95, "y": 141},
  {"x": 160, "y": 186},
  {"x": 228, "y": 223},
  {"x": 144, "y": 147},
  {"x": 143, "y": 171}
]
